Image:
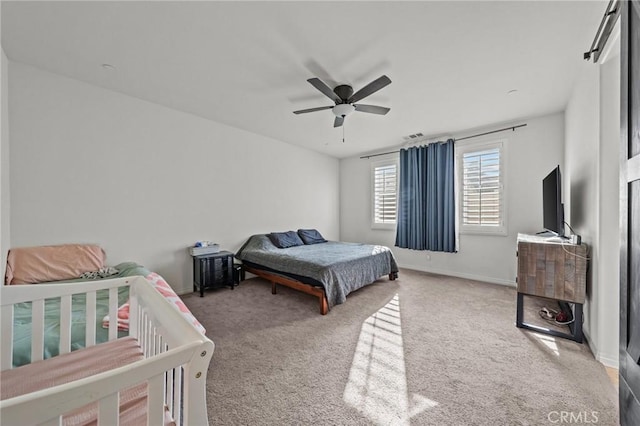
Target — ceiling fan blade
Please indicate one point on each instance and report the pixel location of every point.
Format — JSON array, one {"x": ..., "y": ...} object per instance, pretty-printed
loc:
[
  {"x": 339, "y": 121},
  {"x": 373, "y": 109},
  {"x": 326, "y": 90},
  {"x": 370, "y": 88},
  {"x": 303, "y": 111}
]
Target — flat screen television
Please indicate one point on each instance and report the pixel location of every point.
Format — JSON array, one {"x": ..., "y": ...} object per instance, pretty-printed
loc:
[{"x": 553, "y": 210}]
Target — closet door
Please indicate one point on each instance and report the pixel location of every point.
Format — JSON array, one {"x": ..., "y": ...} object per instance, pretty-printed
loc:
[{"x": 630, "y": 215}]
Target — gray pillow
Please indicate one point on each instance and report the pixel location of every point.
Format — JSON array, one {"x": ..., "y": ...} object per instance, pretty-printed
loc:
[
  {"x": 311, "y": 236},
  {"x": 285, "y": 239}
]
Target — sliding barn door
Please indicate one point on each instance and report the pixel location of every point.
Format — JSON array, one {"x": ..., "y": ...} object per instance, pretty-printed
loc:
[{"x": 630, "y": 216}]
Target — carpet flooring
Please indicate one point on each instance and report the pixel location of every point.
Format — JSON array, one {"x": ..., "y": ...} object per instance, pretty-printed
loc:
[{"x": 422, "y": 350}]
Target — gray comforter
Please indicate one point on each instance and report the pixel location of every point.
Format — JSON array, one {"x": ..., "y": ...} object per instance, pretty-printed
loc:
[{"x": 340, "y": 267}]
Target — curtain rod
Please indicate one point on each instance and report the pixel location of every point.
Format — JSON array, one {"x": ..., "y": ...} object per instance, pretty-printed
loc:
[
  {"x": 512, "y": 128},
  {"x": 604, "y": 31}
]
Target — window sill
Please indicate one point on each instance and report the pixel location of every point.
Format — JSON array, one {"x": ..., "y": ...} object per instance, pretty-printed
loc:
[
  {"x": 496, "y": 232},
  {"x": 384, "y": 226}
]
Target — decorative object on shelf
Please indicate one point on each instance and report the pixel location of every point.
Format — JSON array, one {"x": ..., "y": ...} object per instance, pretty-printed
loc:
[{"x": 204, "y": 247}]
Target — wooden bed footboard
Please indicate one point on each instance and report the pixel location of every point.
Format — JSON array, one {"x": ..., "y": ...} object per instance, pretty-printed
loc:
[
  {"x": 298, "y": 285},
  {"x": 290, "y": 282}
]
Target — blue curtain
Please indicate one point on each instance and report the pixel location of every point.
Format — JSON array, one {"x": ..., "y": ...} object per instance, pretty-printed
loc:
[{"x": 426, "y": 199}]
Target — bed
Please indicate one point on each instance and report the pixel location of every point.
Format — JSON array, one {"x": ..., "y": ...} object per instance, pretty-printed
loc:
[
  {"x": 101, "y": 351},
  {"x": 329, "y": 270}
]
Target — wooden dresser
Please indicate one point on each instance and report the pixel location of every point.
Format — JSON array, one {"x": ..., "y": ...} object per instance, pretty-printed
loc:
[{"x": 552, "y": 268}]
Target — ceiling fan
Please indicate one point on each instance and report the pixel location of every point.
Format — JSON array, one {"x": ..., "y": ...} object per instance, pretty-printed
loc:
[{"x": 345, "y": 100}]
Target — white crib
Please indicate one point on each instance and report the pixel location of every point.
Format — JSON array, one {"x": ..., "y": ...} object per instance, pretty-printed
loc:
[{"x": 174, "y": 361}]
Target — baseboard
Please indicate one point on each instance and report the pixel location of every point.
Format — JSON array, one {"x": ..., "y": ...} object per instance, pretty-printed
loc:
[
  {"x": 605, "y": 359},
  {"x": 608, "y": 361},
  {"x": 474, "y": 277},
  {"x": 183, "y": 291}
]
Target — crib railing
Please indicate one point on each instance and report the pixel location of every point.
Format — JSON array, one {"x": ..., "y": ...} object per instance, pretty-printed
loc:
[
  {"x": 37, "y": 294},
  {"x": 176, "y": 356}
]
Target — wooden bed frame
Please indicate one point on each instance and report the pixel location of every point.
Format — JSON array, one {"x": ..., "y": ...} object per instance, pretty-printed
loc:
[{"x": 297, "y": 285}]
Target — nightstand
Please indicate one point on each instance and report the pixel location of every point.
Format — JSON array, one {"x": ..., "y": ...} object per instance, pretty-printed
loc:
[{"x": 213, "y": 270}]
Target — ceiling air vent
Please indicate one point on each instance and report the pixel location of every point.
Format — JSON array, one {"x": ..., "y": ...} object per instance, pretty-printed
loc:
[{"x": 414, "y": 137}]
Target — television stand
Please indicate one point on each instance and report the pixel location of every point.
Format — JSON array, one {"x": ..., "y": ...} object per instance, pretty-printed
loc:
[
  {"x": 549, "y": 234},
  {"x": 575, "y": 327},
  {"x": 552, "y": 268}
]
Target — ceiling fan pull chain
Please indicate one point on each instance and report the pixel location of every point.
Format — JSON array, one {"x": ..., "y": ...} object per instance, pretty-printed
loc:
[{"x": 343, "y": 126}]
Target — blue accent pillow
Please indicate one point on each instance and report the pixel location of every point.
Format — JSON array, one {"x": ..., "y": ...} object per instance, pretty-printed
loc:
[
  {"x": 285, "y": 239},
  {"x": 311, "y": 236}
]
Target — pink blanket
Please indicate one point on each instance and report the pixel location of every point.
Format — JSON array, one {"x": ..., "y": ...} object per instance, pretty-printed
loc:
[{"x": 165, "y": 289}]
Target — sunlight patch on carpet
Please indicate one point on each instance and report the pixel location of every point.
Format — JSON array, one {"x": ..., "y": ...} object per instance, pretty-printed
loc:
[
  {"x": 377, "y": 385},
  {"x": 549, "y": 342}
]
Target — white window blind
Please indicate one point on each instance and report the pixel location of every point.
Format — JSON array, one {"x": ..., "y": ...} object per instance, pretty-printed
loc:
[
  {"x": 385, "y": 177},
  {"x": 482, "y": 191}
]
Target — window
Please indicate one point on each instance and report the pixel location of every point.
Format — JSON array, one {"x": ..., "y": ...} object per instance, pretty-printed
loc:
[
  {"x": 481, "y": 188},
  {"x": 384, "y": 194}
]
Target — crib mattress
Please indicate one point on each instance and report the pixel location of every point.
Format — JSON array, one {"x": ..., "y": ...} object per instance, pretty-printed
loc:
[
  {"x": 22, "y": 327},
  {"x": 77, "y": 365}
]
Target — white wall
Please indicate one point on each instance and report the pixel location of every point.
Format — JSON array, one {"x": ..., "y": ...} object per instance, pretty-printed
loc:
[
  {"x": 144, "y": 181},
  {"x": 591, "y": 179},
  {"x": 5, "y": 196},
  {"x": 531, "y": 153},
  {"x": 608, "y": 303},
  {"x": 580, "y": 178}
]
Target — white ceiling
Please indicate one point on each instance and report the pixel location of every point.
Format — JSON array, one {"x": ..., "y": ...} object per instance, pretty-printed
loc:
[{"x": 245, "y": 64}]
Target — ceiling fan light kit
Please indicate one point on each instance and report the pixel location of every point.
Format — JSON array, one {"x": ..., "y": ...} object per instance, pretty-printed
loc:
[
  {"x": 342, "y": 110},
  {"x": 345, "y": 100}
]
